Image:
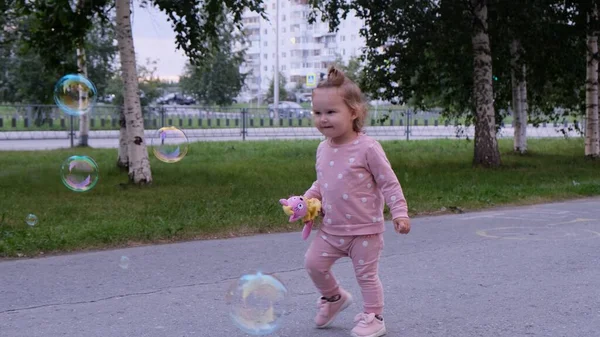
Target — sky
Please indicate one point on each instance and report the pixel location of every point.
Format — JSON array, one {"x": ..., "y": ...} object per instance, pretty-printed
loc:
[{"x": 154, "y": 38}]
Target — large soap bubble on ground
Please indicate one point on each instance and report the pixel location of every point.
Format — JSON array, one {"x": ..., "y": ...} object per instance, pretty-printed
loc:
[
  {"x": 169, "y": 144},
  {"x": 79, "y": 173},
  {"x": 256, "y": 303},
  {"x": 75, "y": 94}
]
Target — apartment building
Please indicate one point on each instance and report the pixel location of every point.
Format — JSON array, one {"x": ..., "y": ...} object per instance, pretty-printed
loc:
[{"x": 303, "y": 48}]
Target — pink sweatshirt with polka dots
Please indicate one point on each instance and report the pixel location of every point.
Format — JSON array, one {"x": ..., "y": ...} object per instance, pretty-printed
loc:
[{"x": 353, "y": 182}]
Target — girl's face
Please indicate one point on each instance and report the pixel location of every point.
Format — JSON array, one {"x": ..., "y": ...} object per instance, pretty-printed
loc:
[{"x": 332, "y": 117}]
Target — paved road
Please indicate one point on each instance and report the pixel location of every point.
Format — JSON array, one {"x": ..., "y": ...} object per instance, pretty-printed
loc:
[
  {"x": 528, "y": 271},
  {"x": 44, "y": 140}
]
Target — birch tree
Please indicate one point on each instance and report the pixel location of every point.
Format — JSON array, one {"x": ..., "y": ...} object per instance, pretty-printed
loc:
[
  {"x": 138, "y": 161},
  {"x": 592, "y": 145},
  {"x": 122, "y": 154},
  {"x": 486, "y": 151},
  {"x": 196, "y": 24},
  {"x": 84, "y": 119},
  {"x": 428, "y": 48},
  {"x": 519, "y": 97}
]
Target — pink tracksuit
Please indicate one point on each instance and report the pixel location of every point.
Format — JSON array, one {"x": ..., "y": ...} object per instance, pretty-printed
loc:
[{"x": 353, "y": 182}]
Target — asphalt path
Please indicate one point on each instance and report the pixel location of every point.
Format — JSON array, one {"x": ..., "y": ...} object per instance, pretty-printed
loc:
[{"x": 521, "y": 271}]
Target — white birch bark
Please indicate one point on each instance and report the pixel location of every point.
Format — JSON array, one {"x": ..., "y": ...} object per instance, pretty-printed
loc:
[
  {"x": 592, "y": 145},
  {"x": 123, "y": 157},
  {"x": 139, "y": 164},
  {"x": 519, "y": 99},
  {"x": 84, "y": 120},
  {"x": 486, "y": 151}
]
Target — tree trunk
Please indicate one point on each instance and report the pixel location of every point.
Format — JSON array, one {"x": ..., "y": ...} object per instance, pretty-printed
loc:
[
  {"x": 592, "y": 145},
  {"x": 519, "y": 99},
  {"x": 123, "y": 157},
  {"x": 139, "y": 164},
  {"x": 84, "y": 119},
  {"x": 486, "y": 151}
]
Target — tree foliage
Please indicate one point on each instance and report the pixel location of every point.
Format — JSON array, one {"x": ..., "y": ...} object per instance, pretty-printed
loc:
[
  {"x": 217, "y": 78},
  {"x": 419, "y": 51},
  {"x": 29, "y": 76},
  {"x": 198, "y": 24},
  {"x": 283, "y": 94},
  {"x": 353, "y": 69},
  {"x": 149, "y": 84}
]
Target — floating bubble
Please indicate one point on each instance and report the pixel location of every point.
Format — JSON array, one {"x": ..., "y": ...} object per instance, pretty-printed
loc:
[
  {"x": 124, "y": 263},
  {"x": 75, "y": 94},
  {"x": 31, "y": 220},
  {"x": 257, "y": 303},
  {"x": 79, "y": 173},
  {"x": 169, "y": 144}
]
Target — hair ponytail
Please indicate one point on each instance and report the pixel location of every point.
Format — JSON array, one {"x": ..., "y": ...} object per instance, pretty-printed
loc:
[{"x": 335, "y": 76}]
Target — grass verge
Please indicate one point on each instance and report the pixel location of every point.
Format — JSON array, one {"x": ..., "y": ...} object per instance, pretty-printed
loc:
[{"x": 224, "y": 189}]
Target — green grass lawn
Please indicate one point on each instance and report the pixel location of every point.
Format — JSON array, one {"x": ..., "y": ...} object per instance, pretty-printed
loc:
[{"x": 224, "y": 189}]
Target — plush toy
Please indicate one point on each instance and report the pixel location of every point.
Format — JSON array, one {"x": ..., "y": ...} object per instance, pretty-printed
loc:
[{"x": 298, "y": 207}]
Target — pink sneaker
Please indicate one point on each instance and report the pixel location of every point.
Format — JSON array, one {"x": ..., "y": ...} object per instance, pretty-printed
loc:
[
  {"x": 368, "y": 326},
  {"x": 329, "y": 310}
]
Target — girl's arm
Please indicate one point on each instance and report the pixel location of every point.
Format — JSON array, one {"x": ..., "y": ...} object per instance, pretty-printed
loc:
[
  {"x": 313, "y": 191},
  {"x": 386, "y": 180}
]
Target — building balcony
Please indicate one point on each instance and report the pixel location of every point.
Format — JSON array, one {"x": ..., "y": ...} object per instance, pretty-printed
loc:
[
  {"x": 306, "y": 46},
  {"x": 252, "y": 49},
  {"x": 305, "y": 71},
  {"x": 330, "y": 45}
]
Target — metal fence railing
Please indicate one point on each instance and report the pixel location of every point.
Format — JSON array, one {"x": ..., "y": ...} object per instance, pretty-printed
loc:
[{"x": 29, "y": 122}]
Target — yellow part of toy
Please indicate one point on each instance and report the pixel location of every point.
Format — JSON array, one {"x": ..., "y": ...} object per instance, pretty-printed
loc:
[
  {"x": 314, "y": 207},
  {"x": 288, "y": 210}
]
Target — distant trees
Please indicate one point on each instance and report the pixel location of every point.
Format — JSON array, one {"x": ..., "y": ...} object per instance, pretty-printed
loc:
[
  {"x": 217, "y": 78},
  {"x": 476, "y": 58}
]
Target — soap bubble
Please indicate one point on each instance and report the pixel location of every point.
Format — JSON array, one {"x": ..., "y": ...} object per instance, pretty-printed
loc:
[
  {"x": 31, "y": 220},
  {"x": 124, "y": 263},
  {"x": 169, "y": 144},
  {"x": 256, "y": 303},
  {"x": 75, "y": 94},
  {"x": 79, "y": 173}
]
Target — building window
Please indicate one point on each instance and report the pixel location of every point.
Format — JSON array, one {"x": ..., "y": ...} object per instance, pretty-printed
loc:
[
  {"x": 266, "y": 56},
  {"x": 265, "y": 44}
]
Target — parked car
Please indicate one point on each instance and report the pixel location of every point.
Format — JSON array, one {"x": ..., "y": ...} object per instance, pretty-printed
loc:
[
  {"x": 176, "y": 99},
  {"x": 288, "y": 109},
  {"x": 304, "y": 97}
]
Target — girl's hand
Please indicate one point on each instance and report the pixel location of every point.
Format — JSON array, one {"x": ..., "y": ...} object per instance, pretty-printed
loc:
[{"x": 402, "y": 225}]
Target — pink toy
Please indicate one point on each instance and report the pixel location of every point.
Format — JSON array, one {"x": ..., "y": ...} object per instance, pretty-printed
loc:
[{"x": 298, "y": 207}]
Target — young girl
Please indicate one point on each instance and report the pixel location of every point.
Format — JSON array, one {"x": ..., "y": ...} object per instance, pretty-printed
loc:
[{"x": 354, "y": 179}]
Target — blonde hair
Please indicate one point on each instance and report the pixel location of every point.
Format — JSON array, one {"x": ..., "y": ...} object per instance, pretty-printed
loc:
[{"x": 351, "y": 94}]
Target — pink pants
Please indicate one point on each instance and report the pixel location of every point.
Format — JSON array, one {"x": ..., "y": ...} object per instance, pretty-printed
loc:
[{"x": 364, "y": 251}]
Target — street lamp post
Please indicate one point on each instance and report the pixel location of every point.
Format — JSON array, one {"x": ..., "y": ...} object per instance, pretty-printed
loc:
[{"x": 276, "y": 76}]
